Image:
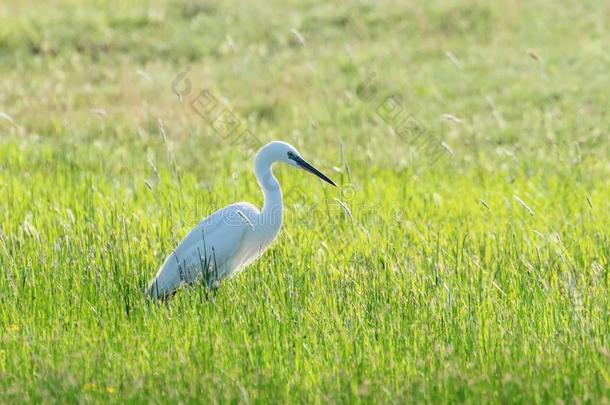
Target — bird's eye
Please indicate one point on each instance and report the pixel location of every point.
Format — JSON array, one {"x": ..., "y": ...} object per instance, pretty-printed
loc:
[{"x": 290, "y": 155}]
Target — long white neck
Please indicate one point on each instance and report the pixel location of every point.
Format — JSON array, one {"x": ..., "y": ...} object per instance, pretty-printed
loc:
[{"x": 272, "y": 209}]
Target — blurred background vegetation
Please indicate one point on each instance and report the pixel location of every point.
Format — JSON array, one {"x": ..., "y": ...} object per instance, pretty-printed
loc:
[{"x": 528, "y": 79}]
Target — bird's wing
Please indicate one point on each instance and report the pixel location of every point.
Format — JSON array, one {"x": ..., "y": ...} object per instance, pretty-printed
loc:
[{"x": 206, "y": 251}]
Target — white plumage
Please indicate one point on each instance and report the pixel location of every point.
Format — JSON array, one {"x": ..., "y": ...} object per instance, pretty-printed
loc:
[{"x": 230, "y": 239}]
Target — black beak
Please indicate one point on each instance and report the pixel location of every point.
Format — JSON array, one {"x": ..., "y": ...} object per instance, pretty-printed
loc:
[{"x": 306, "y": 166}]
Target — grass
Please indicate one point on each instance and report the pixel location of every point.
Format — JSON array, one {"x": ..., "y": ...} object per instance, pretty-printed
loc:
[{"x": 481, "y": 277}]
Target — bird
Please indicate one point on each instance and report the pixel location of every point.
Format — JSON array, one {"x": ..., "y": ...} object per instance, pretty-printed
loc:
[{"x": 230, "y": 239}]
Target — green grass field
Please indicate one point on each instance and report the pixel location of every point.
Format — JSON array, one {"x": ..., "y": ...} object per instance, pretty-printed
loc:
[{"x": 476, "y": 274}]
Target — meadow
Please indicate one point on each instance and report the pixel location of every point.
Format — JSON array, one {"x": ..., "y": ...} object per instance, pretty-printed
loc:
[{"x": 476, "y": 273}]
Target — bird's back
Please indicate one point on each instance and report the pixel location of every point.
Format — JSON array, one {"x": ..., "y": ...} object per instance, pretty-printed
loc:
[{"x": 210, "y": 251}]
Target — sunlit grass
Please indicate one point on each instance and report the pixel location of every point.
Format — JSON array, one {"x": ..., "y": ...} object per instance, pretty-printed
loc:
[{"x": 482, "y": 277}]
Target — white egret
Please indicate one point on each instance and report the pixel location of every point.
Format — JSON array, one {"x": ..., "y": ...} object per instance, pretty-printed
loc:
[{"x": 230, "y": 239}]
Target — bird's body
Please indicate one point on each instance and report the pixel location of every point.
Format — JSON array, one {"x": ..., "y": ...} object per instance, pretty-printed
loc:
[{"x": 230, "y": 239}]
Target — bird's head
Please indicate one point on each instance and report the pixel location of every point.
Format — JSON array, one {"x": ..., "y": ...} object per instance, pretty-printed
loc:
[{"x": 283, "y": 152}]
